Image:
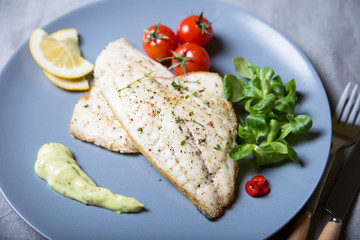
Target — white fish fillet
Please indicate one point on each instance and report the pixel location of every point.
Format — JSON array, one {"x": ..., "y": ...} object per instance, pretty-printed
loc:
[
  {"x": 93, "y": 121},
  {"x": 183, "y": 125}
]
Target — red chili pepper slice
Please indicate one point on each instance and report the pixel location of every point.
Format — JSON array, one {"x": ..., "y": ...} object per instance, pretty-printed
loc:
[
  {"x": 251, "y": 188},
  {"x": 263, "y": 190},
  {"x": 260, "y": 180},
  {"x": 257, "y": 186}
]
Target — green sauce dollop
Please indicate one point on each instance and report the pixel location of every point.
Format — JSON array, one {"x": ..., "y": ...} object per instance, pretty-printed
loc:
[{"x": 57, "y": 166}]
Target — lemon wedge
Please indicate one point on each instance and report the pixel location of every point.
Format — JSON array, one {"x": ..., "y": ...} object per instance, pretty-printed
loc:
[
  {"x": 70, "y": 37},
  {"x": 78, "y": 84},
  {"x": 56, "y": 57}
]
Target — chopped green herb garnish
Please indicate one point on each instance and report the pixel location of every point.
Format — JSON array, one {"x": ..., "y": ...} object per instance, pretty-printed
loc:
[
  {"x": 137, "y": 80},
  {"x": 194, "y": 121},
  {"x": 202, "y": 141},
  {"x": 182, "y": 143},
  {"x": 178, "y": 86},
  {"x": 177, "y": 119},
  {"x": 217, "y": 147},
  {"x": 140, "y": 129}
]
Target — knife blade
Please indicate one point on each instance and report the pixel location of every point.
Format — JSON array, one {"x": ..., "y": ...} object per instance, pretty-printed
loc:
[{"x": 342, "y": 195}]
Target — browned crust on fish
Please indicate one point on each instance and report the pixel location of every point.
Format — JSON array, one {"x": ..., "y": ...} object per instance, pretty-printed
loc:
[{"x": 73, "y": 132}]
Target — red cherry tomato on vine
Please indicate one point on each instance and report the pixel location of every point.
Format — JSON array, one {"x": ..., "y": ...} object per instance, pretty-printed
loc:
[
  {"x": 190, "y": 57},
  {"x": 195, "y": 29},
  {"x": 158, "y": 41}
]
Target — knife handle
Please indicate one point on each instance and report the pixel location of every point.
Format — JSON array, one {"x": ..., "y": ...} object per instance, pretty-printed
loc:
[
  {"x": 331, "y": 230},
  {"x": 300, "y": 227}
]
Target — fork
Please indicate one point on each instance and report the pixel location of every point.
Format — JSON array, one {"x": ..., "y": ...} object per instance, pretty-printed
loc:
[{"x": 346, "y": 129}]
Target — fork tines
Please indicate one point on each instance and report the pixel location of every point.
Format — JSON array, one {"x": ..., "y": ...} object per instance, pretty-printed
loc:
[{"x": 347, "y": 110}]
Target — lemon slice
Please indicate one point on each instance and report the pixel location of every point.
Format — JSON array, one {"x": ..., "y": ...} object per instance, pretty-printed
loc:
[
  {"x": 56, "y": 57},
  {"x": 78, "y": 84},
  {"x": 70, "y": 37}
]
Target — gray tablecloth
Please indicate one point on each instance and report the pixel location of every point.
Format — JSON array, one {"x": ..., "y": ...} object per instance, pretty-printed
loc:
[{"x": 327, "y": 31}]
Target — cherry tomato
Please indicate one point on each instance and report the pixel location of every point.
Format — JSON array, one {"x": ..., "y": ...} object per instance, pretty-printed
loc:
[
  {"x": 158, "y": 41},
  {"x": 251, "y": 188},
  {"x": 260, "y": 180},
  {"x": 190, "y": 57},
  {"x": 263, "y": 190},
  {"x": 195, "y": 29}
]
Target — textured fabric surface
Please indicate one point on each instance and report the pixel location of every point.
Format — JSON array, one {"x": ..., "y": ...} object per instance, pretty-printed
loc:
[{"x": 327, "y": 31}]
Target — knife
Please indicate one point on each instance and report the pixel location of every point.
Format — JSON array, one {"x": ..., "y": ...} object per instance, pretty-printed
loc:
[{"x": 341, "y": 196}]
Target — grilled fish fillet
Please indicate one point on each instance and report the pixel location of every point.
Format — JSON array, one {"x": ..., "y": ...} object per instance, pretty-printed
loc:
[
  {"x": 183, "y": 125},
  {"x": 93, "y": 121}
]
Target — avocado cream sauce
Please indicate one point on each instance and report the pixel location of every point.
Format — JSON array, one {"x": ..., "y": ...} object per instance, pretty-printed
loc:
[{"x": 57, "y": 166}]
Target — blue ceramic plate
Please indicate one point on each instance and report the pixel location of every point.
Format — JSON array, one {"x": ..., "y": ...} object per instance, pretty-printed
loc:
[{"x": 34, "y": 112}]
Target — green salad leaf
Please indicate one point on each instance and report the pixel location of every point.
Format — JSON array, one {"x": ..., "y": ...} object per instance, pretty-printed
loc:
[
  {"x": 242, "y": 67},
  {"x": 268, "y": 117},
  {"x": 233, "y": 82}
]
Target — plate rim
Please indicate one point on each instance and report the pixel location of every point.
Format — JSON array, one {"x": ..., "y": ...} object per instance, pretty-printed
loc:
[{"x": 19, "y": 48}]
